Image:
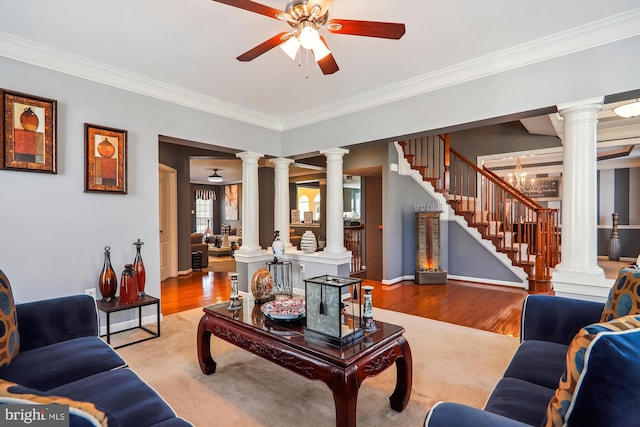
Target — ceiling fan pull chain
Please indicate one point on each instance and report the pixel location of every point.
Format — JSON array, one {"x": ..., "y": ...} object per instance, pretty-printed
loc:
[{"x": 307, "y": 76}]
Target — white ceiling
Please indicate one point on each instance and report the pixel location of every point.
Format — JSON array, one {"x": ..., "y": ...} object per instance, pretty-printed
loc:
[
  {"x": 184, "y": 50},
  {"x": 187, "y": 48}
]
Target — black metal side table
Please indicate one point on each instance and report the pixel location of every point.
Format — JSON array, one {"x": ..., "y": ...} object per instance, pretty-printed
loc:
[{"x": 115, "y": 306}]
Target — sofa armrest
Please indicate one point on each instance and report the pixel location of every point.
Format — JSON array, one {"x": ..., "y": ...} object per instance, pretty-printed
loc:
[
  {"x": 54, "y": 320},
  {"x": 445, "y": 414},
  {"x": 556, "y": 319}
]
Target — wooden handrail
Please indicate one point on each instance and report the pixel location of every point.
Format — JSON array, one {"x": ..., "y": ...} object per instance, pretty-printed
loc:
[{"x": 493, "y": 177}]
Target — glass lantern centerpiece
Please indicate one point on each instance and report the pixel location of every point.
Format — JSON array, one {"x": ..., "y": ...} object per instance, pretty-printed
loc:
[
  {"x": 282, "y": 278},
  {"x": 428, "y": 270},
  {"x": 329, "y": 317}
]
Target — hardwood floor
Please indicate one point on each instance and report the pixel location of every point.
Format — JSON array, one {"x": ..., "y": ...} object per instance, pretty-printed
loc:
[{"x": 486, "y": 307}]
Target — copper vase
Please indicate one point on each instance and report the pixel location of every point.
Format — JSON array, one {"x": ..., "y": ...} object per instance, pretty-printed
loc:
[
  {"x": 108, "y": 281},
  {"x": 138, "y": 267}
]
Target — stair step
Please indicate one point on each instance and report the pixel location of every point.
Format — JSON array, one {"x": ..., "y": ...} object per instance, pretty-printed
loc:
[
  {"x": 482, "y": 228},
  {"x": 507, "y": 250},
  {"x": 432, "y": 180},
  {"x": 419, "y": 169},
  {"x": 494, "y": 239}
]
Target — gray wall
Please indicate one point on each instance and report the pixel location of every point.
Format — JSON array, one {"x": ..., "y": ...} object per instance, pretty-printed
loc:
[
  {"x": 619, "y": 192},
  {"x": 372, "y": 202},
  {"x": 499, "y": 138},
  {"x": 468, "y": 258},
  {"x": 266, "y": 194}
]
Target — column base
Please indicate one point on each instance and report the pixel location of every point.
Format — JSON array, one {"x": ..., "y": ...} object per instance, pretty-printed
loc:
[
  {"x": 586, "y": 284},
  {"x": 335, "y": 254}
]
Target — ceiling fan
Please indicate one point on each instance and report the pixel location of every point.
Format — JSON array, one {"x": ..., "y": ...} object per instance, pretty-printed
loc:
[
  {"x": 215, "y": 177},
  {"x": 306, "y": 17}
]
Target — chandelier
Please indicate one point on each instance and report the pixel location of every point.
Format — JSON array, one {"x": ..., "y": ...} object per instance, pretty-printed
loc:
[{"x": 518, "y": 179}]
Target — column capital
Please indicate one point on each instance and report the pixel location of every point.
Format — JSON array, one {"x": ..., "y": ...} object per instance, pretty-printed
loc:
[
  {"x": 281, "y": 162},
  {"x": 585, "y": 104},
  {"x": 249, "y": 156},
  {"x": 335, "y": 152}
]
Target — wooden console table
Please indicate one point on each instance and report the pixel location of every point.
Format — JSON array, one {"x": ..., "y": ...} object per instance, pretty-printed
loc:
[
  {"x": 342, "y": 368},
  {"x": 115, "y": 306}
]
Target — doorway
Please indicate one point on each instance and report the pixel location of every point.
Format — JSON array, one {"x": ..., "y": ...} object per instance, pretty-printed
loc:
[{"x": 168, "y": 220}]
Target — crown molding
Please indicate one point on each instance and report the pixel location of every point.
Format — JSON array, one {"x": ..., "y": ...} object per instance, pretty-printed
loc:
[
  {"x": 597, "y": 33},
  {"x": 615, "y": 28},
  {"x": 44, "y": 56}
]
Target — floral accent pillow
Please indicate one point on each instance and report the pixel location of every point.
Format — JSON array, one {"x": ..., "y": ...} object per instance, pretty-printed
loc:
[
  {"x": 9, "y": 335},
  {"x": 624, "y": 296}
]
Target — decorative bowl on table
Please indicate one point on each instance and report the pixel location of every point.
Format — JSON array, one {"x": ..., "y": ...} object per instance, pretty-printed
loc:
[{"x": 284, "y": 309}]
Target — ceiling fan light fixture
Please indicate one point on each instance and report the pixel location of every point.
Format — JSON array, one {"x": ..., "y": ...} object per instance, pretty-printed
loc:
[
  {"x": 320, "y": 50},
  {"x": 291, "y": 47},
  {"x": 628, "y": 110},
  {"x": 214, "y": 177},
  {"x": 309, "y": 36}
]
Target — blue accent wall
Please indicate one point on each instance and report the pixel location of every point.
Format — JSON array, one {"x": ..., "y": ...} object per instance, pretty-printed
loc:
[{"x": 469, "y": 258}]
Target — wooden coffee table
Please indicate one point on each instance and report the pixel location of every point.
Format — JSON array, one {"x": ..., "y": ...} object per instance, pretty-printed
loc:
[{"x": 343, "y": 369}]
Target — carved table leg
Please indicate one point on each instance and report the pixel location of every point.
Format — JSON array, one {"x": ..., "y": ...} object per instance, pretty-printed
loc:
[
  {"x": 344, "y": 386},
  {"x": 404, "y": 376},
  {"x": 207, "y": 364}
]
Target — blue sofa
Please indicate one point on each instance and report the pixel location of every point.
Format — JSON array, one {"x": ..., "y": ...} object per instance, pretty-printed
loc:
[
  {"x": 61, "y": 359},
  {"x": 558, "y": 334}
]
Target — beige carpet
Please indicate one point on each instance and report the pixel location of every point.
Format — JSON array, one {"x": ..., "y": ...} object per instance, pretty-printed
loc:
[
  {"x": 221, "y": 264},
  {"x": 450, "y": 362}
]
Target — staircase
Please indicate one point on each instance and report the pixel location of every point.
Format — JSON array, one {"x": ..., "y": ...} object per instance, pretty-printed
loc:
[{"x": 517, "y": 225}]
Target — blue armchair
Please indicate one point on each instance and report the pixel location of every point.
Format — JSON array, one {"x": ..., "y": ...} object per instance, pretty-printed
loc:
[{"x": 553, "y": 328}]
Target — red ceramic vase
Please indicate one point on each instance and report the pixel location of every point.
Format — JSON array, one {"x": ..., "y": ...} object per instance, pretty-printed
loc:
[{"x": 128, "y": 285}]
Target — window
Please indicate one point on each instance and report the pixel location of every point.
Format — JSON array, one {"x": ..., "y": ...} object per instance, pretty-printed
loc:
[
  {"x": 316, "y": 208},
  {"x": 303, "y": 205},
  {"x": 204, "y": 210}
]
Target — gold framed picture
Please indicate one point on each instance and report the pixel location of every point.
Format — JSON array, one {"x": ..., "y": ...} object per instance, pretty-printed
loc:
[
  {"x": 28, "y": 128},
  {"x": 105, "y": 159}
]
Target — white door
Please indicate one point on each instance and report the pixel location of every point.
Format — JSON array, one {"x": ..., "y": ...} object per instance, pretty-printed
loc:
[{"x": 168, "y": 222}]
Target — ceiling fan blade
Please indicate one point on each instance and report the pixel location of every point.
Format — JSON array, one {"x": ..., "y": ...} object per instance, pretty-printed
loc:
[
  {"x": 252, "y": 6},
  {"x": 263, "y": 47},
  {"x": 328, "y": 64},
  {"x": 385, "y": 30}
]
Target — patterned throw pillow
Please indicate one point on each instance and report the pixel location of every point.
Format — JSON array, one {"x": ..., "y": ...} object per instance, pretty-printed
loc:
[
  {"x": 624, "y": 296},
  {"x": 593, "y": 371},
  {"x": 9, "y": 336},
  {"x": 81, "y": 413}
]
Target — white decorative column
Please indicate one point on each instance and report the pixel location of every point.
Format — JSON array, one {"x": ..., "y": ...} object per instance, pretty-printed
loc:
[
  {"x": 281, "y": 202},
  {"x": 250, "y": 203},
  {"x": 335, "y": 223},
  {"x": 578, "y": 274}
]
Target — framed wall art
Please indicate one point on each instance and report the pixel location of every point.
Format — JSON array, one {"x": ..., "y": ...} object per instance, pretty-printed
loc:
[
  {"x": 28, "y": 128},
  {"x": 105, "y": 159},
  {"x": 231, "y": 202}
]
